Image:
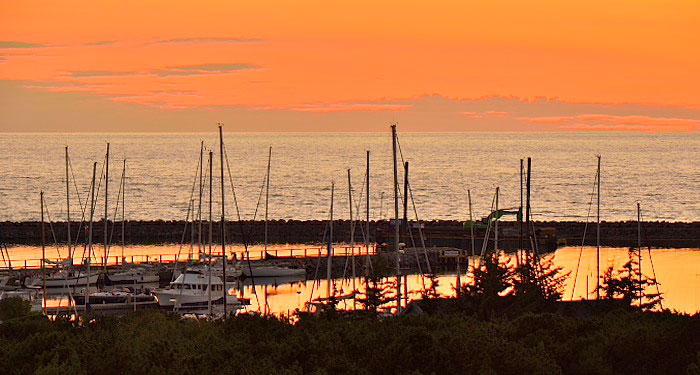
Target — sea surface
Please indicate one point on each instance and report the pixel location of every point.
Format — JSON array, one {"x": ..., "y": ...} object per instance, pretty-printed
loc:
[{"x": 662, "y": 172}]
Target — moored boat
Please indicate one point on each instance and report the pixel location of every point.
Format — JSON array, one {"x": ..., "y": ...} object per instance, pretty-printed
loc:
[
  {"x": 192, "y": 289},
  {"x": 136, "y": 275},
  {"x": 61, "y": 279}
]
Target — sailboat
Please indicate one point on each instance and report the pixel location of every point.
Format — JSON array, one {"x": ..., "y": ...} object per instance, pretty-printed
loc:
[
  {"x": 268, "y": 269},
  {"x": 66, "y": 276}
]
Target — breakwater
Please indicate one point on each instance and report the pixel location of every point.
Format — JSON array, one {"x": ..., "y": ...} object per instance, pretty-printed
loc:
[{"x": 620, "y": 234}]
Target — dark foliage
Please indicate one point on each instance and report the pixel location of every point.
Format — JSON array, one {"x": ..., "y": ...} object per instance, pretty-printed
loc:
[{"x": 156, "y": 343}]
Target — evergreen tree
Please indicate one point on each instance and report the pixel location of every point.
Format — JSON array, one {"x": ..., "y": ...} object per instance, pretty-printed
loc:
[{"x": 629, "y": 285}]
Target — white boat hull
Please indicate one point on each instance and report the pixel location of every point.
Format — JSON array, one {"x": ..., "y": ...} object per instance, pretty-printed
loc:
[
  {"x": 131, "y": 279},
  {"x": 61, "y": 282},
  {"x": 272, "y": 271},
  {"x": 167, "y": 298}
]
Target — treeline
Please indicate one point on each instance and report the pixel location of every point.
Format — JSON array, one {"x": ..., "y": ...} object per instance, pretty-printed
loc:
[{"x": 158, "y": 343}]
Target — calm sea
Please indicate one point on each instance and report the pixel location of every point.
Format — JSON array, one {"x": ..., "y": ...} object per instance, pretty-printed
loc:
[{"x": 660, "y": 171}]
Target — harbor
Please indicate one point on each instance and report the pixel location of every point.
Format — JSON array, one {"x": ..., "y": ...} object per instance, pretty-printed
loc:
[{"x": 201, "y": 262}]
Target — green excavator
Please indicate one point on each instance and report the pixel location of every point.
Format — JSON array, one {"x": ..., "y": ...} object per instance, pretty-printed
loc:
[{"x": 493, "y": 216}]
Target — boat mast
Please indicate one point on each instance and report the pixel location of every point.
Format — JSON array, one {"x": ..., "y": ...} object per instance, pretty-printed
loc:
[
  {"x": 471, "y": 220},
  {"x": 92, "y": 214},
  {"x": 367, "y": 265},
  {"x": 527, "y": 211},
  {"x": 330, "y": 246},
  {"x": 211, "y": 228},
  {"x": 70, "y": 253},
  {"x": 520, "y": 216},
  {"x": 396, "y": 220},
  {"x": 639, "y": 249},
  {"x": 405, "y": 195},
  {"x": 597, "y": 290},
  {"x": 223, "y": 214},
  {"x": 352, "y": 230},
  {"x": 43, "y": 254},
  {"x": 495, "y": 232},
  {"x": 199, "y": 214},
  {"x": 267, "y": 194},
  {"x": 123, "y": 209},
  {"x": 106, "y": 196}
]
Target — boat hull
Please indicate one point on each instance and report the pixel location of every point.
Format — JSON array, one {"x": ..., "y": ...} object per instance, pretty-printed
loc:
[
  {"x": 272, "y": 271},
  {"x": 169, "y": 299},
  {"x": 61, "y": 282}
]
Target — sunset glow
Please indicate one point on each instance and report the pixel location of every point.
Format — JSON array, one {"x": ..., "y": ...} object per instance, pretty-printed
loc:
[{"x": 623, "y": 66}]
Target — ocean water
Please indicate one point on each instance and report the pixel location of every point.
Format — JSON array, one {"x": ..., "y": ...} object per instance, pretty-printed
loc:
[{"x": 662, "y": 172}]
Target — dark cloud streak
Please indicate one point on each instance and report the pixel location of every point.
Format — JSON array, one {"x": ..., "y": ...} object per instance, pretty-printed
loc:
[
  {"x": 205, "y": 40},
  {"x": 8, "y": 45}
]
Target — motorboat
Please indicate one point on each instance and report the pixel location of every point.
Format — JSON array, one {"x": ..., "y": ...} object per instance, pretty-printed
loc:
[{"x": 191, "y": 289}]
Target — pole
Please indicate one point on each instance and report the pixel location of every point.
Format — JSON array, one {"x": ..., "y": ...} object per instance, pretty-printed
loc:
[
  {"x": 471, "y": 220},
  {"x": 330, "y": 247},
  {"x": 352, "y": 230},
  {"x": 396, "y": 220},
  {"x": 267, "y": 194},
  {"x": 639, "y": 249},
  {"x": 123, "y": 209},
  {"x": 211, "y": 221},
  {"x": 43, "y": 254},
  {"x": 495, "y": 232},
  {"x": 367, "y": 218},
  {"x": 199, "y": 214},
  {"x": 527, "y": 210},
  {"x": 92, "y": 214},
  {"x": 106, "y": 197},
  {"x": 597, "y": 290},
  {"x": 223, "y": 215},
  {"x": 405, "y": 195},
  {"x": 520, "y": 216},
  {"x": 70, "y": 253}
]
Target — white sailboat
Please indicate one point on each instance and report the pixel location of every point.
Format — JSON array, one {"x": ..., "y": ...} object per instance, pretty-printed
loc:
[{"x": 269, "y": 269}]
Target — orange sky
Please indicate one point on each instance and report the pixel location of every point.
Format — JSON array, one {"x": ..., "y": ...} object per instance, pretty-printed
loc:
[{"x": 292, "y": 62}]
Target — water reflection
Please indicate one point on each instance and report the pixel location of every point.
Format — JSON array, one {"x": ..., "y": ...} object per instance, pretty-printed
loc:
[{"x": 677, "y": 270}]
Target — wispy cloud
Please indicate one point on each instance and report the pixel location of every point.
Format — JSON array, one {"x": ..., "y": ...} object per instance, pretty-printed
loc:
[
  {"x": 184, "y": 70},
  {"x": 205, "y": 40},
  {"x": 189, "y": 70},
  {"x": 600, "y": 122},
  {"x": 485, "y": 114},
  {"x": 349, "y": 107},
  {"x": 105, "y": 43},
  {"x": 89, "y": 74},
  {"x": 8, "y": 45}
]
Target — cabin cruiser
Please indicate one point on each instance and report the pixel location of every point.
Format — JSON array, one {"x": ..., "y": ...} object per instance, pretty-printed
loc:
[
  {"x": 190, "y": 289},
  {"x": 61, "y": 279}
]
